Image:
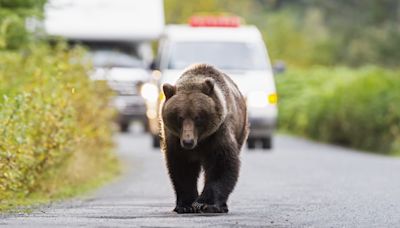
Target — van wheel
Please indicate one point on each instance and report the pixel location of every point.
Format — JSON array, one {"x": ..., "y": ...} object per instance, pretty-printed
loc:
[
  {"x": 156, "y": 141},
  {"x": 146, "y": 127},
  {"x": 124, "y": 126},
  {"x": 266, "y": 143},
  {"x": 251, "y": 143}
]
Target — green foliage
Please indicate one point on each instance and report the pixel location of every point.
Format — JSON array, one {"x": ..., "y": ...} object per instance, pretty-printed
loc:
[
  {"x": 55, "y": 122},
  {"x": 55, "y": 136},
  {"x": 357, "y": 108},
  {"x": 12, "y": 32},
  {"x": 179, "y": 11},
  {"x": 22, "y": 8},
  {"x": 287, "y": 41},
  {"x": 13, "y": 15},
  {"x": 22, "y": 3}
]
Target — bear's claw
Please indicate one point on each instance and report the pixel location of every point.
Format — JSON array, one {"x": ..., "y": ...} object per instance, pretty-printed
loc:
[
  {"x": 207, "y": 208},
  {"x": 184, "y": 209},
  {"x": 199, "y": 207}
]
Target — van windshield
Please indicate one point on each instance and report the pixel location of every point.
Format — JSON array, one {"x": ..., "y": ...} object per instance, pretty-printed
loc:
[
  {"x": 224, "y": 55},
  {"x": 113, "y": 58}
]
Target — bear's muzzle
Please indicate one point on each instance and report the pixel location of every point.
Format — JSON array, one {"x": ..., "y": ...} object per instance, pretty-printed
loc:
[{"x": 188, "y": 135}]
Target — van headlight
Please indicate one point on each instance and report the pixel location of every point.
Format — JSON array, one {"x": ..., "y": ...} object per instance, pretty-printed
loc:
[
  {"x": 259, "y": 99},
  {"x": 149, "y": 92}
]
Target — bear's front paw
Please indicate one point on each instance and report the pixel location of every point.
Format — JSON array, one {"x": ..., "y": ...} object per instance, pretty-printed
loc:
[
  {"x": 184, "y": 209},
  {"x": 209, "y": 208}
]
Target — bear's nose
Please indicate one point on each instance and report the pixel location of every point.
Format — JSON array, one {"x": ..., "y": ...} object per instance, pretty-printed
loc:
[{"x": 188, "y": 143}]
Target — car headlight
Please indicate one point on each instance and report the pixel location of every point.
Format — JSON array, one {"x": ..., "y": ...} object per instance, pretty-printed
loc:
[
  {"x": 149, "y": 92},
  {"x": 259, "y": 99}
]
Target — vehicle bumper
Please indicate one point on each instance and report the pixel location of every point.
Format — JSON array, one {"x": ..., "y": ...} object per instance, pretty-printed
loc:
[
  {"x": 126, "y": 118},
  {"x": 261, "y": 127},
  {"x": 130, "y": 108}
]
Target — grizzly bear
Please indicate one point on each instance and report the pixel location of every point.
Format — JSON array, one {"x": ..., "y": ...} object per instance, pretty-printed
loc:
[{"x": 204, "y": 125}]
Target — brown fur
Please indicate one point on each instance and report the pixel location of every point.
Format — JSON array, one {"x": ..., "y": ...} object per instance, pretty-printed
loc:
[{"x": 204, "y": 124}]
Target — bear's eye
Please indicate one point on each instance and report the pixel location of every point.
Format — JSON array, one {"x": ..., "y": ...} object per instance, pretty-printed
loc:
[
  {"x": 199, "y": 120},
  {"x": 179, "y": 119}
]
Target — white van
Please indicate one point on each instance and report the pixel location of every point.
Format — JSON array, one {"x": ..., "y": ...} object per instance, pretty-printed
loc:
[{"x": 237, "y": 50}]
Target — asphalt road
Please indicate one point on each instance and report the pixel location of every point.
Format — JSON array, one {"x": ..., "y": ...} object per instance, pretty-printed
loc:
[{"x": 298, "y": 184}]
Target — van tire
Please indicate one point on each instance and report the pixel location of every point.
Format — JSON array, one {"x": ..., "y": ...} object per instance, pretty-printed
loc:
[
  {"x": 251, "y": 143},
  {"x": 156, "y": 141},
  {"x": 124, "y": 127},
  {"x": 266, "y": 143}
]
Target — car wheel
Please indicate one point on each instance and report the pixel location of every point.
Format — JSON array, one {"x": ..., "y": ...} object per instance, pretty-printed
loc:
[
  {"x": 124, "y": 127},
  {"x": 251, "y": 143},
  {"x": 156, "y": 141},
  {"x": 266, "y": 143},
  {"x": 146, "y": 127}
]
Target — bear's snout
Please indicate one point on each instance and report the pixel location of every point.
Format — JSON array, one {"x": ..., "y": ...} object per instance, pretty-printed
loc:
[{"x": 188, "y": 136}]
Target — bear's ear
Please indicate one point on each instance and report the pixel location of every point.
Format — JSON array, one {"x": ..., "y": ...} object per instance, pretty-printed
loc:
[
  {"x": 169, "y": 90},
  {"x": 208, "y": 86}
]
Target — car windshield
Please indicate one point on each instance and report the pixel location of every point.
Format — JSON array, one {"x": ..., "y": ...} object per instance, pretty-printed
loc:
[
  {"x": 112, "y": 58},
  {"x": 224, "y": 55}
]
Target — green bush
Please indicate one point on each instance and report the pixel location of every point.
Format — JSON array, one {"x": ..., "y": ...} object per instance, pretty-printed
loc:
[
  {"x": 55, "y": 122},
  {"x": 356, "y": 108}
]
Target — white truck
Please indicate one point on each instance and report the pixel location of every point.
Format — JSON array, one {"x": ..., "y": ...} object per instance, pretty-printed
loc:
[
  {"x": 237, "y": 50},
  {"x": 118, "y": 34}
]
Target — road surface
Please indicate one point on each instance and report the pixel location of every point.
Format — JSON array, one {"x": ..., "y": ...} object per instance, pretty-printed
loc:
[{"x": 298, "y": 184}]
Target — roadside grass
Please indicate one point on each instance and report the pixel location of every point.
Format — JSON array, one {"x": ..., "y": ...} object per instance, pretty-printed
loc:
[
  {"x": 57, "y": 189},
  {"x": 356, "y": 108}
]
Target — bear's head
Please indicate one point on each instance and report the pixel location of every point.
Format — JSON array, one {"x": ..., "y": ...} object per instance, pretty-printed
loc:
[{"x": 193, "y": 113}]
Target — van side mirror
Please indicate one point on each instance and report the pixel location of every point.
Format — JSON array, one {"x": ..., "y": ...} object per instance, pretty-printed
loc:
[
  {"x": 153, "y": 65},
  {"x": 279, "y": 67}
]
